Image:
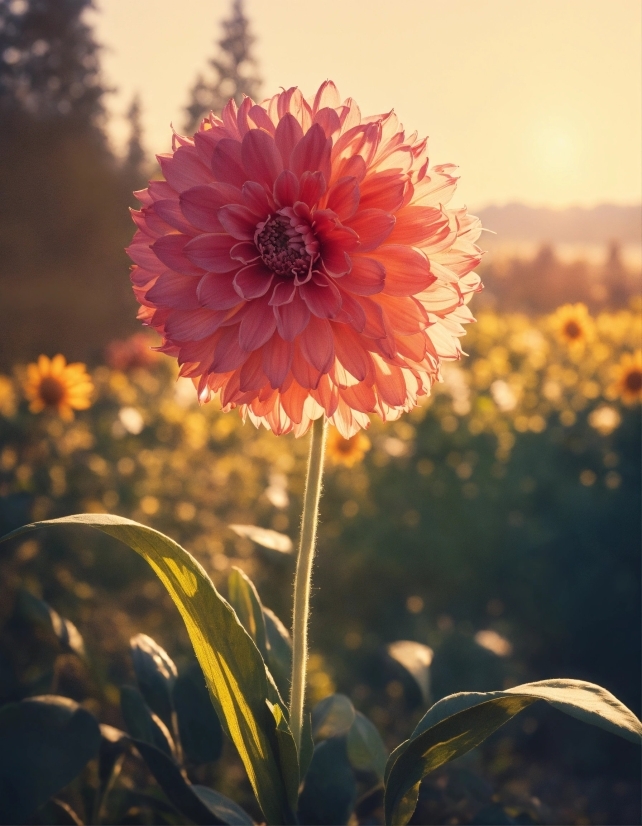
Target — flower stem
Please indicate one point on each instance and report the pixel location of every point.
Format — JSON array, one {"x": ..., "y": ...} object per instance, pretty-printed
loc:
[{"x": 303, "y": 577}]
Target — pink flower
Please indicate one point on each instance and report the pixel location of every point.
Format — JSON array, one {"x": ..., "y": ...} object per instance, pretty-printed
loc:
[{"x": 299, "y": 261}]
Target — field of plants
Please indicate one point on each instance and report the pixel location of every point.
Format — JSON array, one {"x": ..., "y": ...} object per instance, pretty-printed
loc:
[{"x": 496, "y": 527}]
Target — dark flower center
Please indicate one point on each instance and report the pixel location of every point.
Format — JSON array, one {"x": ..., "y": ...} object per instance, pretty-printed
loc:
[
  {"x": 573, "y": 329},
  {"x": 282, "y": 247},
  {"x": 51, "y": 391},
  {"x": 633, "y": 381}
]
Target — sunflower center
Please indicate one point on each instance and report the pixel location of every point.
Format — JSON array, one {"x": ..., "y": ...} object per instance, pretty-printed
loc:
[
  {"x": 51, "y": 391},
  {"x": 633, "y": 381},
  {"x": 573, "y": 329},
  {"x": 282, "y": 247}
]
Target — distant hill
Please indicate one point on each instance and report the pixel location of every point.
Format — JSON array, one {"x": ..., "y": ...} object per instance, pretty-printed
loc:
[{"x": 576, "y": 225}]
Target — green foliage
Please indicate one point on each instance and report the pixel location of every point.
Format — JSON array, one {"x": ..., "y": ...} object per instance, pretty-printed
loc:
[
  {"x": 231, "y": 663},
  {"x": 329, "y": 791},
  {"x": 155, "y": 674},
  {"x": 458, "y": 723},
  {"x": 46, "y": 742},
  {"x": 200, "y": 731}
]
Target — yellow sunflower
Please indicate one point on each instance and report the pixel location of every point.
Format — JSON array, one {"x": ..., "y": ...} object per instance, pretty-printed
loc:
[
  {"x": 346, "y": 451},
  {"x": 54, "y": 385},
  {"x": 628, "y": 378},
  {"x": 573, "y": 325}
]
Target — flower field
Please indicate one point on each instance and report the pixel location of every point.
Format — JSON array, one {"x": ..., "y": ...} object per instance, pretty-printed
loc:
[{"x": 511, "y": 495}]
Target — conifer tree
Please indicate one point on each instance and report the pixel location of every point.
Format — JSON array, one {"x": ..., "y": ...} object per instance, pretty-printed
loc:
[
  {"x": 134, "y": 164},
  {"x": 234, "y": 71},
  {"x": 49, "y": 67}
]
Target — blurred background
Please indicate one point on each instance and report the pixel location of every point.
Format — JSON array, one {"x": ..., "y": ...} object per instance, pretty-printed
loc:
[{"x": 499, "y": 524}]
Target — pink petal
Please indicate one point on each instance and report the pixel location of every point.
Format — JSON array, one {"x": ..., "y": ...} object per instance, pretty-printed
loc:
[
  {"x": 174, "y": 290},
  {"x": 261, "y": 158},
  {"x": 376, "y": 325},
  {"x": 200, "y": 204},
  {"x": 304, "y": 373},
  {"x": 245, "y": 252},
  {"x": 349, "y": 350},
  {"x": 228, "y": 354},
  {"x": 343, "y": 198},
  {"x": 252, "y": 377},
  {"x": 211, "y": 252},
  {"x": 253, "y": 281},
  {"x": 372, "y": 226},
  {"x": 217, "y": 291},
  {"x": 312, "y": 187},
  {"x": 351, "y": 312},
  {"x": 366, "y": 277},
  {"x": 293, "y": 400},
  {"x": 360, "y": 397},
  {"x": 227, "y": 163},
  {"x": 286, "y": 189},
  {"x": 239, "y": 221},
  {"x": 192, "y": 325},
  {"x": 261, "y": 118},
  {"x": 317, "y": 344},
  {"x": 327, "y": 95},
  {"x": 255, "y": 198},
  {"x": 384, "y": 190},
  {"x": 284, "y": 291},
  {"x": 292, "y": 318},
  {"x": 170, "y": 212},
  {"x": 322, "y": 296},
  {"x": 277, "y": 358},
  {"x": 184, "y": 169},
  {"x": 170, "y": 250},
  {"x": 328, "y": 120},
  {"x": 287, "y": 136},
  {"x": 391, "y": 385},
  {"x": 161, "y": 190},
  {"x": 141, "y": 253},
  {"x": 416, "y": 224},
  {"x": 257, "y": 325},
  {"x": 312, "y": 153},
  {"x": 406, "y": 315},
  {"x": 407, "y": 270}
]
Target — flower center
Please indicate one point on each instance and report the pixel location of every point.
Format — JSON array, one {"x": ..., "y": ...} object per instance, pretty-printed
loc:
[
  {"x": 51, "y": 391},
  {"x": 633, "y": 381},
  {"x": 282, "y": 247},
  {"x": 573, "y": 329}
]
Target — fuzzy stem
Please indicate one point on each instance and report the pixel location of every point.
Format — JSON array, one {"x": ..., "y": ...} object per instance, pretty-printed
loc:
[{"x": 303, "y": 577}]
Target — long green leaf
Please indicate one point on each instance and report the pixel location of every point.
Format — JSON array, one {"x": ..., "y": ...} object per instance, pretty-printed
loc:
[
  {"x": 233, "y": 668},
  {"x": 461, "y": 722},
  {"x": 245, "y": 601}
]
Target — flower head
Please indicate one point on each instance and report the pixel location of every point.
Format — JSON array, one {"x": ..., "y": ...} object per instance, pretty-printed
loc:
[
  {"x": 628, "y": 379},
  {"x": 298, "y": 260},
  {"x": 129, "y": 353},
  {"x": 57, "y": 386},
  {"x": 348, "y": 452},
  {"x": 573, "y": 325}
]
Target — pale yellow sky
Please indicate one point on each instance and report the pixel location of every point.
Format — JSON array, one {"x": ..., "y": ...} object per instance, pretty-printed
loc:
[{"x": 536, "y": 100}]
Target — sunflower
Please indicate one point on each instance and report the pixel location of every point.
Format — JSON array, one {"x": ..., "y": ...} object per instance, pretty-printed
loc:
[
  {"x": 54, "y": 385},
  {"x": 628, "y": 378},
  {"x": 573, "y": 325},
  {"x": 346, "y": 452}
]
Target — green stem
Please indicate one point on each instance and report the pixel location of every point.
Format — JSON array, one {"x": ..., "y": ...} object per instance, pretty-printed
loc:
[{"x": 303, "y": 578}]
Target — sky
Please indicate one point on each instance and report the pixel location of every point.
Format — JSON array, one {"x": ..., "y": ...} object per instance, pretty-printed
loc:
[{"x": 538, "y": 102}]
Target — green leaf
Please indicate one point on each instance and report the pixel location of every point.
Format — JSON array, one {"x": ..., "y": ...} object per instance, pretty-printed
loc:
[
  {"x": 332, "y": 717},
  {"x": 366, "y": 749},
  {"x": 46, "y": 742},
  {"x": 330, "y": 790},
  {"x": 273, "y": 540},
  {"x": 179, "y": 791},
  {"x": 416, "y": 659},
  {"x": 279, "y": 651},
  {"x": 198, "y": 724},
  {"x": 288, "y": 756},
  {"x": 40, "y": 613},
  {"x": 461, "y": 722},
  {"x": 233, "y": 668},
  {"x": 228, "y": 811},
  {"x": 155, "y": 675},
  {"x": 142, "y": 723},
  {"x": 245, "y": 601}
]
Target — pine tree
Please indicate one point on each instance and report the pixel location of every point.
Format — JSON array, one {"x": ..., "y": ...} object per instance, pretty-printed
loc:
[
  {"x": 49, "y": 65},
  {"x": 234, "y": 71}
]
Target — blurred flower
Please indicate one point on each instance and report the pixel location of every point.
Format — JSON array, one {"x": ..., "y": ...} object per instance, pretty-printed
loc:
[
  {"x": 127, "y": 353},
  {"x": 55, "y": 385},
  {"x": 348, "y": 452},
  {"x": 628, "y": 378},
  {"x": 604, "y": 419},
  {"x": 299, "y": 261},
  {"x": 573, "y": 325},
  {"x": 8, "y": 402}
]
